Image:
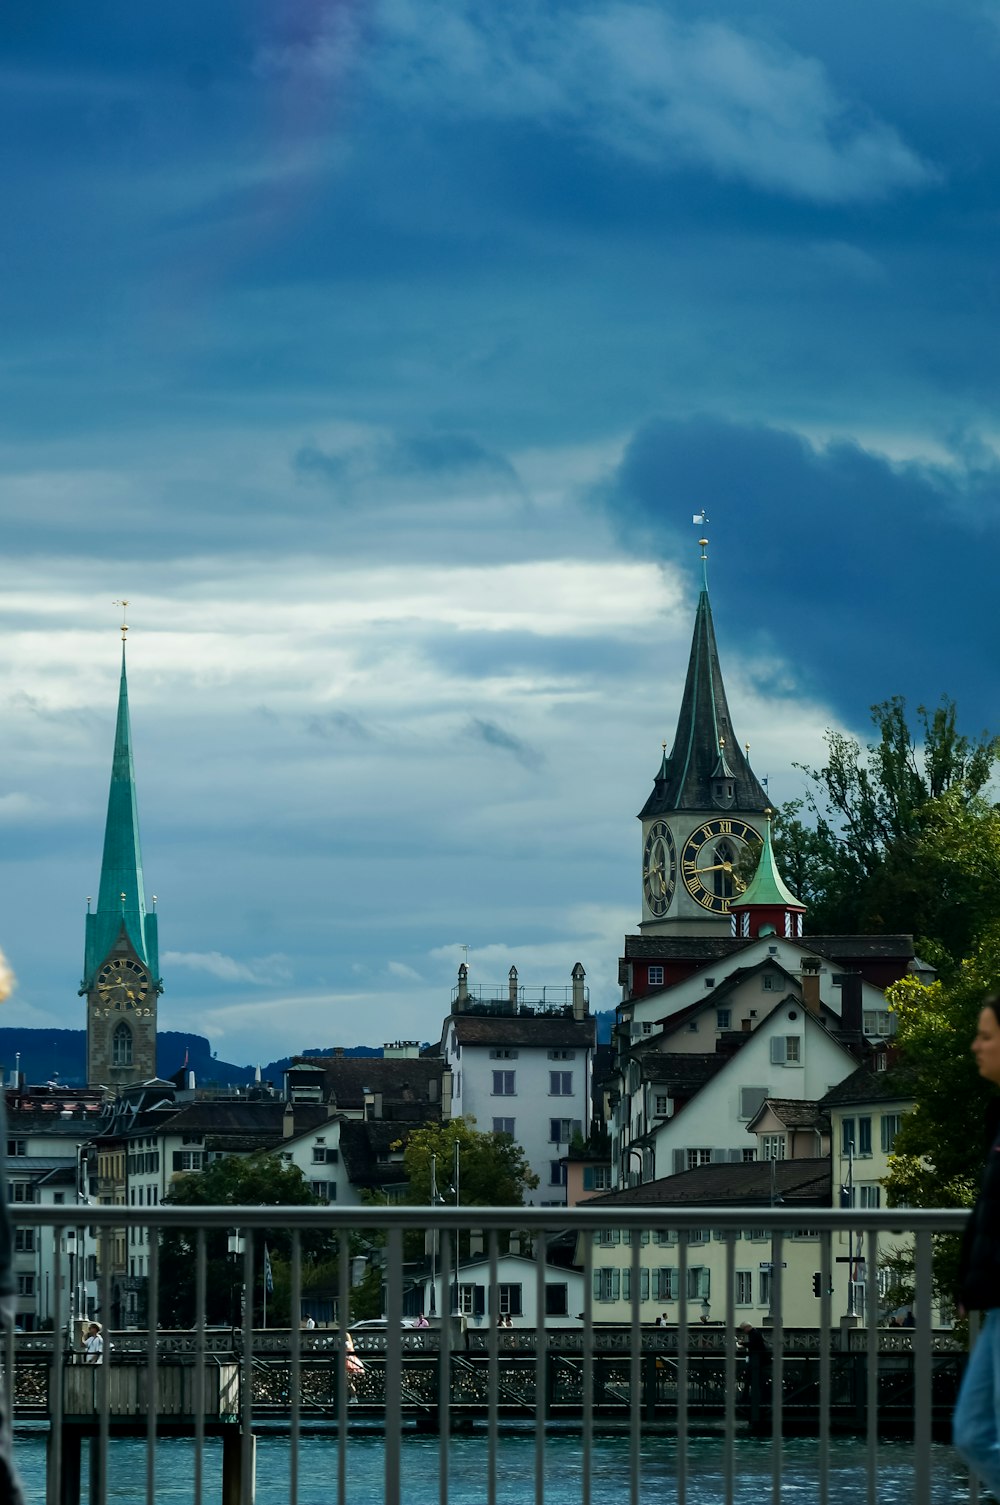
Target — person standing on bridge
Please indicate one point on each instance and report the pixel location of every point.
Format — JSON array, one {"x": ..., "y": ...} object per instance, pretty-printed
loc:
[{"x": 976, "y": 1425}]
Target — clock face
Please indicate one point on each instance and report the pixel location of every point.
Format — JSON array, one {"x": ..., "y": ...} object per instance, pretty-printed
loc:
[
  {"x": 122, "y": 985},
  {"x": 659, "y": 868},
  {"x": 710, "y": 858}
]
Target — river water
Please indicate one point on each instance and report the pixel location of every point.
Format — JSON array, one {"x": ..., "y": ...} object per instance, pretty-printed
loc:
[{"x": 515, "y": 1474}]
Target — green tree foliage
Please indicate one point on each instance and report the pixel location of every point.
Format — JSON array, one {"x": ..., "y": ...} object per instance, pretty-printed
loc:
[
  {"x": 493, "y": 1171},
  {"x": 236, "y": 1181},
  {"x": 938, "y": 1154},
  {"x": 900, "y": 835}
]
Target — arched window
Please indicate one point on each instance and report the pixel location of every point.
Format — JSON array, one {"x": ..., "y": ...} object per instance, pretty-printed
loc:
[{"x": 121, "y": 1046}]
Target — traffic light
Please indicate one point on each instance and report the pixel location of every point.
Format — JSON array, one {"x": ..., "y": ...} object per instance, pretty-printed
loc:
[{"x": 817, "y": 1284}]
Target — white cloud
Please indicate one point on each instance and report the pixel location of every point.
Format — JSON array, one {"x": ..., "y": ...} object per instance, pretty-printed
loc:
[
  {"x": 260, "y": 971},
  {"x": 634, "y": 79}
]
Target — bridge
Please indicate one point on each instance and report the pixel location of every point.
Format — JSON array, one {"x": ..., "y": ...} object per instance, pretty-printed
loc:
[{"x": 840, "y": 1376}]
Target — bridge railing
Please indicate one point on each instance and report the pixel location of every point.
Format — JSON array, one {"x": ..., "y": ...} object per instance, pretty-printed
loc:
[{"x": 566, "y": 1363}]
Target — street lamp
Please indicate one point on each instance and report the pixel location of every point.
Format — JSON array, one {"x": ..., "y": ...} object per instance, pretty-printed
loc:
[{"x": 235, "y": 1244}]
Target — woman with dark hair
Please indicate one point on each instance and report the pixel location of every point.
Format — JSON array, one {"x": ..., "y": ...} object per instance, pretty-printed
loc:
[{"x": 977, "y": 1412}]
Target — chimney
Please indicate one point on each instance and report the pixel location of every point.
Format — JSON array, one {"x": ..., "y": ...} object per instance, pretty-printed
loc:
[
  {"x": 288, "y": 1121},
  {"x": 810, "y": 984},
  {"x": 851, "y": 1020},
  {"x": 512, "y": 987},
  {"x": 462, "y": 997},
  {"x": 579, "y": 993}
]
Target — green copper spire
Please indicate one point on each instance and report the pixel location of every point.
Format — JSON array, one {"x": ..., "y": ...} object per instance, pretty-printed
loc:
[
  {"x": 121, "y": 900},
  {"x": 767, "y": 887}
]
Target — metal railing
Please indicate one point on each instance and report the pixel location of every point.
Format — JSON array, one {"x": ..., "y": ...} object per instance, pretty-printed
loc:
[{"x": 635, "y": 1378}]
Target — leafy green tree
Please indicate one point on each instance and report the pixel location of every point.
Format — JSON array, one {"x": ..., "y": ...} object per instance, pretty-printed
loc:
[
  {"x": 899, "y": 835},
  {"x": 493, "y": 1171},
  {"x": 262, "y": 1180},
  {"x": 938, "y": 1154}
]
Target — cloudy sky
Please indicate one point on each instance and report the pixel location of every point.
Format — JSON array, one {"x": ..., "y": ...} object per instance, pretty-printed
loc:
[{"x": 379, "y": 353}]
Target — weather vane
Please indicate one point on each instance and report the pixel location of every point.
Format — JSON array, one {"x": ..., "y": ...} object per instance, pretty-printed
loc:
[
  {"x": 700, "y": 519},
  {"x": 123, "y": 605}
]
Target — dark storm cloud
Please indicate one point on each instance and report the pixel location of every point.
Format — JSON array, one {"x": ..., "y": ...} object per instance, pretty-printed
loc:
[
  {"x": 495, "y": 736},
  {"x": 869, "y": 578}
]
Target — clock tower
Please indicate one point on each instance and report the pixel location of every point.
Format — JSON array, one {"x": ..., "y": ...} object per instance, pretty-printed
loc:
[
  {"x": 121, "y": 976},
  {"x": 707, "y": 807}
]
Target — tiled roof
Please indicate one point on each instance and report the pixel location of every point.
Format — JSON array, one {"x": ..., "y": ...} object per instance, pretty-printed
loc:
[
  {"x": 400, "y": 1080},
  {"x": 867, "y": 1086},
  {"x": 544, "y": 1031},
  {"x": 795, "y": 1114},
  {"x": 746, "y": 1184}
]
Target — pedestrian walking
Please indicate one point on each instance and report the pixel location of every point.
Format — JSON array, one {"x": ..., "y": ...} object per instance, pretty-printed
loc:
[
  {"x": 977, "y": 1412},
  {"x": 93, "y": 1345}
]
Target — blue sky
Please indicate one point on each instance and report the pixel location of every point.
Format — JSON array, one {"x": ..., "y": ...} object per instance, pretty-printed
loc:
[{"x": 380, "y": 354}]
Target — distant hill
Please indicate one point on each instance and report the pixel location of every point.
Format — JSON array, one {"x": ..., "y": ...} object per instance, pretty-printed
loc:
[
  {"x": 60, "y": 1055},
  {"x": 46, "y": 1055}
]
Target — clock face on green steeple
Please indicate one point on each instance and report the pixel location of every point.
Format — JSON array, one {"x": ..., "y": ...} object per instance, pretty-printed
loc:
[
  {"x": 122, "y": 985},
  {"x": 659, "y": 868}
]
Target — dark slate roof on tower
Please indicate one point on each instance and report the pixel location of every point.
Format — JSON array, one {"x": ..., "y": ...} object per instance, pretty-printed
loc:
[
  {"x": 704, "y": 737},
  {"x": 121, "y": 865}
]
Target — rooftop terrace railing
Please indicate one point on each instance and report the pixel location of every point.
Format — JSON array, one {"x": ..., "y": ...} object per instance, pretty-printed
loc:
[{"x": 237, "y": 1382}]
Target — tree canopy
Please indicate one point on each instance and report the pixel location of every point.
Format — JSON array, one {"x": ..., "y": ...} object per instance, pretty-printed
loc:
[
  {"x": 493, "y": 1170},
  {"x": 262, "y": 1180},
  {"x": 900, "y": 835}
]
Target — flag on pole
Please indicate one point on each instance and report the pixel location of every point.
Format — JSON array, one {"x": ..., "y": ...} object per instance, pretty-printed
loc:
[{"x": 268, "y": 1278}]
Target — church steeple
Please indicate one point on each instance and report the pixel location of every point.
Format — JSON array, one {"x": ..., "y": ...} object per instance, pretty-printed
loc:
[
  {"x": 121, "y": 970},
  {"x": 706, "y": 768},
  {"x": 706, "y": 807}
]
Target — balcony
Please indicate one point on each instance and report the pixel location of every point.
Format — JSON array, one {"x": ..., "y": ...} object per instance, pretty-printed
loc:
[{"x": 238, "y": 1389}]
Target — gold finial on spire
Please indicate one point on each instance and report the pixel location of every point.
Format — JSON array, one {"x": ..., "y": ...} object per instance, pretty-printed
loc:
[
  {"x": 722, "y": 744},
  {"x": 123, "y": 605},
  {"x": 746, "y": 749}
]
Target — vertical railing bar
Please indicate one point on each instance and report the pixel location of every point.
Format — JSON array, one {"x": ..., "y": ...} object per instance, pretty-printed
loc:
[
  {"x": 394, "y": 1369},
  {"x": 924, "y": 1275},
  {"x": 341, "y": 1387},
  {"x": 246, "y": 1369},
  {"x": 61, "y": 1355},
  {"x": 200, "y": 1375},
  {"x": 729, "y": 1440},
  {"x": 635, "y": 1370},
  {"x": 493, "y": 1346},
  {"x": 152, "y": 1384},
  {"x": 682, "y": 1368},
  {"x": 975, "y": 1323},
  {"x": 777, "y": 1361},
  {"x": 541, "y": 1360},
  {"x": 444, "y": 1369},
  {"x": 825, "y": 1268},
  {"x": 871, "y": 1362},
  {"x": 295, "y": 1367},
  {"x": 588, "y": 1367},
  {"x": 103, "y": 1378}
]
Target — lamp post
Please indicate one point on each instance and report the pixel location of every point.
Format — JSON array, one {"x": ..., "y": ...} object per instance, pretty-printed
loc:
[
  {"x": 436, "y": 1201},
  {"x": 235, "y": 1243},
  {"x": 70, "y": 1242},
  {"x": 458, "y": 1236}
]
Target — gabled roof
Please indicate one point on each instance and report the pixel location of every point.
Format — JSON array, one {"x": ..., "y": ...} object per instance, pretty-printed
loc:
[
  {"x": 744, "y": 1184},
  {"x": 704, "y": 736},
  {"x": 542, "y": 1031},
  {"x": 867, "y": 1086},
  {"x": 793, "y": 1113}
]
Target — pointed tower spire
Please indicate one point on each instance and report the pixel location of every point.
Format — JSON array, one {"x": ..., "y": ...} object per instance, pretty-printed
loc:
[
  {"x": 706, "y": 768},
  {"x": 121, "y": 968},
  {"x": 121, "y": 902},
  {"x": 767, "y": 905}
]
